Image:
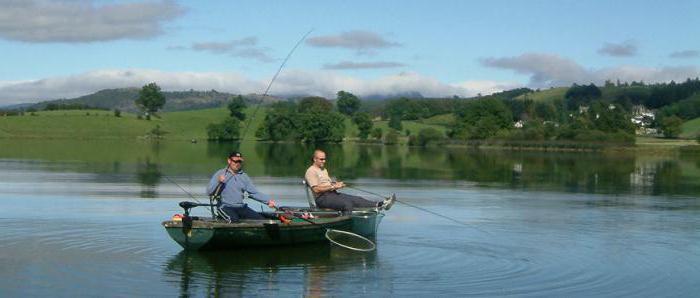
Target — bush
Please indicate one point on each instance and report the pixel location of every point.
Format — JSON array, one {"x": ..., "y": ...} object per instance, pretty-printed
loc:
[
  {"x": 392, "y": 137},
  {"x": 117, "y": 113},
  {"x": 427, "y": 136},
  {"x": 156, "y": 133},
  {"x": 377, "y": 133},
  {"x": 228, "y": 130},
  {"x": 671, "y": 126}
]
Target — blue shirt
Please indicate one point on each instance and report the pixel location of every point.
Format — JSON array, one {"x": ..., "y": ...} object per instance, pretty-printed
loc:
[{"x": 236, "y": 185}]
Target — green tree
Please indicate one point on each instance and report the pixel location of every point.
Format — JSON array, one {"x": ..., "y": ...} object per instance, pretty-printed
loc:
[
  {"x": 427, "y": 136},
  {"x": 377, "y": 133},
  {"x": 581, "y": 95},
  {"x": 481, "y": 119},
  {"x": 364, "y": 124},
  {"x": 315, "y": 104},
  {"x": 392, "y": 137},
  {"x": 237, "y": 106},
  {"x": 320, "y": 127},
  {"x": 150, "y": 99},
  {"x": 671, "y": 126},
  {"x": 280, "y": 123},
  {"x": 228, "y": 130},
  {"x": 395, "y": 121},
  {"x": 347, "y": 103}
]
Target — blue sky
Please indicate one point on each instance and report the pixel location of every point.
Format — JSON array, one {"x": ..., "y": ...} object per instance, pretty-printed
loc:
[{"x": 63, "y": 49}]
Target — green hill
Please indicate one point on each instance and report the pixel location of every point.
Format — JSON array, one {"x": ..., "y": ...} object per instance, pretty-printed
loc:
[
  {"x": 691, "y": 129},
  {"x": 545, "y": 95},
  {"x": 98, "y": 124},
  {"x": 123, "y": 99}
]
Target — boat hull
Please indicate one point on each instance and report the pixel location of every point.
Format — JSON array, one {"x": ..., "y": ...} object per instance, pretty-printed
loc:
[{"x": 204, "y": 235}]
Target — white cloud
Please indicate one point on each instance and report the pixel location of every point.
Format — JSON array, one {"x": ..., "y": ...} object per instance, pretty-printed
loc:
[
  {"x": 364, "y": 42},
  {"x": 89, "y": 82},
  {"x": 625, "y": 49},
  {"x": 547, "y": 70},
  {"x": 244, "y": 48},
  {"x": 363, "y": 65},
  {"x": 685, "y": 54},
  {"x": 487, "y": 87},
  {"x": 290, "y": 82},
  {"x": 544, "y": 69},
  {"x": 83, "y": 21}
]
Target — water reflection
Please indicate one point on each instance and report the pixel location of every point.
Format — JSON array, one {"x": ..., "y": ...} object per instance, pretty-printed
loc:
[
  {"x": 148, "y": 175},
  {"x": 291, "y": 270},
  {"x": 580, "y": 172}
]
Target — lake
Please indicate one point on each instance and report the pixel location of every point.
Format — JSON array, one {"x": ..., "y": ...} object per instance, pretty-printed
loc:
[{"x": 82, "y": 218}]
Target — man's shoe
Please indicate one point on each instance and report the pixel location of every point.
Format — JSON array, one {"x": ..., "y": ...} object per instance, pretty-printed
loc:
[{"x": 388, "y": 202}]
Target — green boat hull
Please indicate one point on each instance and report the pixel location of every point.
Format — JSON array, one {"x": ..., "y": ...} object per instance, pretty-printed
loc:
[{"x": 208, "y": 234}]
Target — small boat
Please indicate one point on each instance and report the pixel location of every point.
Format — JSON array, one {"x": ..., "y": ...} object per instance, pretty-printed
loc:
[{"x": 203, "y": 233}]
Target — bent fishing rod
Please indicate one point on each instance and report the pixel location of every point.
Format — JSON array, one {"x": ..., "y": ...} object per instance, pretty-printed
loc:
[{"x": 219, "y": 187}]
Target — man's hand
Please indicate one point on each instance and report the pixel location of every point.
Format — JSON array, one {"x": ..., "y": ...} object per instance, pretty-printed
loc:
[
  {"x": 222, "y": 178},
  {"x": 271, "y": 204},
  {"x": 339, "y": 184}
]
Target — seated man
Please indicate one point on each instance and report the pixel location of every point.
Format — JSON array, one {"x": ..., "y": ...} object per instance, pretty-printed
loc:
[
  {"x": 326, "y": 191},
  {"x": 234, "y": 183}
]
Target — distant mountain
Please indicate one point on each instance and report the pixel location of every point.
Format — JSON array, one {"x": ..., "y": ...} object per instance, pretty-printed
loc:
[
  {"x": 124, "y": 98},
  {"x": 16, "y": 106}
]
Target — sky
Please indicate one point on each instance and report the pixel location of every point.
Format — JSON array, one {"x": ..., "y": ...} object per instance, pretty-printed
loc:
[{"x": 438, "y": 48}]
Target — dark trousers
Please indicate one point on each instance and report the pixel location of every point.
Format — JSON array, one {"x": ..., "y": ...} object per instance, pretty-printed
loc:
[
  {"x": 238, "y": 213},
  {"x": 342, "y": 202}
]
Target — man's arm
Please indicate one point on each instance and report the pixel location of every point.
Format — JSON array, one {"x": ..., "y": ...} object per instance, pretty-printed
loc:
[{"x": 253, "y": 191}]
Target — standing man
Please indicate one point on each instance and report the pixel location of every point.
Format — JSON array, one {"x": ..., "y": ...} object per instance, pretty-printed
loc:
[
  {"x": 326, "y": 191},
  {"x": 235, "y": 183}
]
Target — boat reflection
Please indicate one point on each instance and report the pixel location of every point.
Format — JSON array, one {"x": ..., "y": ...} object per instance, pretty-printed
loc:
[{"x": 277, "y": 270}]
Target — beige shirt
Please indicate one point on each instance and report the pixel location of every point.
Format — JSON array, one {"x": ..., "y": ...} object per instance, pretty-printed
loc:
[{"x": 315, "y": 176}]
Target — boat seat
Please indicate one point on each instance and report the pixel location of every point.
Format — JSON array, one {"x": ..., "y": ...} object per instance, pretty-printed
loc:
[{"x": 309, "y": 194}]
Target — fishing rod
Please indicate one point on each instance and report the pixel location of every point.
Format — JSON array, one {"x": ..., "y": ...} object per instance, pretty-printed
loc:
[
  {"x": 183, "y": 189},
  {"x": 219, "y": 187},
  {"x": 419, "y": 208},
  {"x": 257, "y": 107}
]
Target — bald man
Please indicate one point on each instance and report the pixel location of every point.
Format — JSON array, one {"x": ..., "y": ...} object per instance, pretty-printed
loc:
[{"x": 326, "y": 190}]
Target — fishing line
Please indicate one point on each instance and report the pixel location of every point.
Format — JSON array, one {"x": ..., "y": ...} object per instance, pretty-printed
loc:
[
  {"x": 419, "y": 208},
  {"x": 178, "y": 185}
]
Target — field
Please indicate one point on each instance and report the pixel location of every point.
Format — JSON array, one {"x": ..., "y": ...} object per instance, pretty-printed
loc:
[
  {"x": 691, "y": 129},
  {"x": 99, "y": 124},
  {"x": 183, "y": 125}
]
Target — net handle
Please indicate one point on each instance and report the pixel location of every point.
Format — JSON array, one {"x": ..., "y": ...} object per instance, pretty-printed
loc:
[{"x": 372, "y": 245}]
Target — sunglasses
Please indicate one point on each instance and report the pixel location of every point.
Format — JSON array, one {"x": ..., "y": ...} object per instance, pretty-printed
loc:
[{"x": 237, "y": 161}]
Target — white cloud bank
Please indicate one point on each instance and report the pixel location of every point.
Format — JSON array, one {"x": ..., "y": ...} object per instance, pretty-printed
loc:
[
  {"x": 290, "y": 82},
  {"x": 550, "y": 70}
]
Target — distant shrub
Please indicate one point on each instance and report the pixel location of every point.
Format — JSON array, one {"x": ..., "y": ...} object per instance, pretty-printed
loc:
[
  {"x": 427, "y": 136},
  {"x": 377, "y": 133},
  {"x": 117, "y": 113},
  {"x": 228, "y": 130},
  {"x": 392, "y": 137}
]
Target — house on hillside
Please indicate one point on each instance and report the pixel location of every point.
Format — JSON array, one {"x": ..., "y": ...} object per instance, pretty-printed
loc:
[{"x": 643, "y": 118}]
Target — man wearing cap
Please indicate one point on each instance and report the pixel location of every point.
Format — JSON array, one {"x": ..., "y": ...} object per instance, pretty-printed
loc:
[
  {"x": 235, "y": 184},
  {"x": 326, "y": 190}
]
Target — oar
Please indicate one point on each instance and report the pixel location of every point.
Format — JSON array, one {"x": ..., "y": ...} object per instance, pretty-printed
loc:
[{"x": 419, "y": 208}]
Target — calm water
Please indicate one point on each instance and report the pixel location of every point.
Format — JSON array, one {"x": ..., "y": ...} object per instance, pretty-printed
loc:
[{"x": 83, "y": 219}]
